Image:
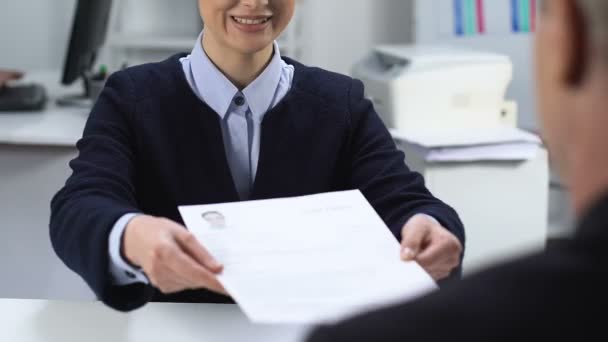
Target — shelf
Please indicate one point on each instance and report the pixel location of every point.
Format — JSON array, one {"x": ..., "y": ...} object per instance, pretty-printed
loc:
[
  {"x": 151, "y": 42},
  {"x": 148, "y": 42}
]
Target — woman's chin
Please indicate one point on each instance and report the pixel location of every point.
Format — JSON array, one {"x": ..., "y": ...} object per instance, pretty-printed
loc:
[{"x": 253, "y": 47}]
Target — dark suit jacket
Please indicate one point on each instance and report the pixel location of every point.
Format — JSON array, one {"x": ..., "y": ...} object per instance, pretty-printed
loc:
[
  {"x": 556, "y": 293},
  {"x": 151, "y": 145}
]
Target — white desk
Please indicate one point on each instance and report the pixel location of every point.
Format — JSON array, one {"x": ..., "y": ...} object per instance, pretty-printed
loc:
[
  {"x": 55, "y": 126},
  {"x": 56, "y": 321}
]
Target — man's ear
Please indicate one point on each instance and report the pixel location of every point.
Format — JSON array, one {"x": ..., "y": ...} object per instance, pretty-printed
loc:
[{"x": 575, "y": 40}]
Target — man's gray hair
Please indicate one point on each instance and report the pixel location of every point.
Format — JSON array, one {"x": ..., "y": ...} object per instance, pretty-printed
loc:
[{"x": 596, "y": 12}]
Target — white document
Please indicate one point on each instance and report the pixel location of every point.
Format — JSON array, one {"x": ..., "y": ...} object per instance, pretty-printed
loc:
[
  {"x": 478, "y": 144},
  {"x": 306, "y": 259},
  {"x": 448, "y": 137},
  {"x": 499, "y": 152}
]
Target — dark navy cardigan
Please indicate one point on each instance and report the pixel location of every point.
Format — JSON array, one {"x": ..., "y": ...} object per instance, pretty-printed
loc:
[{"x": 151, "y": 145}]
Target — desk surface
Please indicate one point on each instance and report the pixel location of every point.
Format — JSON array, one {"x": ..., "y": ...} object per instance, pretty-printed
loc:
[
  {"x": 55, "y": 126},
  {"x": 54, "y": 321}
]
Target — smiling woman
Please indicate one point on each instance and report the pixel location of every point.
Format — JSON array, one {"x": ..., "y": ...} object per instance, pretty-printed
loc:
[
  {"x": 246, "y": 26},
  {"x": 231, "y": 121},
  {"x": 243, "y": 31}
]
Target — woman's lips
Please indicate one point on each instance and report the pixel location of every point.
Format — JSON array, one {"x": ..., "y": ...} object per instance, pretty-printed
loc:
[{"x": 251, "y": 24}]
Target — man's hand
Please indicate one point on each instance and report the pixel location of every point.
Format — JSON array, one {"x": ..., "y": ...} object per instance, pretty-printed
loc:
[
  {"x": 171, "y": 256},
  {"x": 435, "y": 248},
  {"x": 6, "y": 76}
]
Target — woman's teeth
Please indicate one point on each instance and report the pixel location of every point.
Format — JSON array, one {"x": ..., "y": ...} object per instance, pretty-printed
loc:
[{"x": 246, "y": 21}]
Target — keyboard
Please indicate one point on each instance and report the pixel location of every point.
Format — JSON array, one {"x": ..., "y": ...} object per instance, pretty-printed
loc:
[{"x": 30, "y": 97}]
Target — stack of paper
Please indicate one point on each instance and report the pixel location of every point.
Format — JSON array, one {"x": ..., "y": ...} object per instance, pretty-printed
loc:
[
  {"x": 306, "y": 259},
  {"x": 445, "y": 145}
]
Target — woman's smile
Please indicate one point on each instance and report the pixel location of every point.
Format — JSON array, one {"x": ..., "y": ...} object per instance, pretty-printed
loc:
[{"x": 251, "y": 24}]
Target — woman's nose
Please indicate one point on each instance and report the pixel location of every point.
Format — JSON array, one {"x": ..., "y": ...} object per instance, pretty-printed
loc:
[{"x": 255, "y": 3}]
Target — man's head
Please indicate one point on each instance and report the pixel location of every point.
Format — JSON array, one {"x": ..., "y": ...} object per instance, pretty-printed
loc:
[
  {"x": 245, "y": 26},
  {"x": 572, "y": 88}
]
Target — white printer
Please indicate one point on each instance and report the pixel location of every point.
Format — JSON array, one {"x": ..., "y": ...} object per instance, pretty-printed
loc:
[
  {"x": 417, "y": 86},
  {"x": 448, "y": 113}
]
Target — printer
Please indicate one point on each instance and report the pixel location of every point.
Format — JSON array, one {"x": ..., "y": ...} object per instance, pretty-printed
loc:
[{"x": 415, "y": 87}]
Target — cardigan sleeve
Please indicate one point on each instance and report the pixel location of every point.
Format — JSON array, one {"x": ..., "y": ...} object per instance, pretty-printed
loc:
[
  {"x": 100, "y": 191},
  {"x": 378, "y": 169}
]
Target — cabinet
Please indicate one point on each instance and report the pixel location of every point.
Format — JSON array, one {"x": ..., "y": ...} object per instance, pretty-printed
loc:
[{"x": 503, "y": 204}]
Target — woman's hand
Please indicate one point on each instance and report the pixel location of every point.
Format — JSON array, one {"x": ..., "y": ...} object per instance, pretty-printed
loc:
[
  {"x": 434, "y": 247},
  {"x": 171, "y": 256}
]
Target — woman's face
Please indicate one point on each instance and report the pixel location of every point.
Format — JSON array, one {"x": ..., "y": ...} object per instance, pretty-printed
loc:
[{"x": 245, "y": 26}]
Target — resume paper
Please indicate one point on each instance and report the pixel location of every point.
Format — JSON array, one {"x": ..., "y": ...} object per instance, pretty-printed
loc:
[{"x": 306, "y": 260}]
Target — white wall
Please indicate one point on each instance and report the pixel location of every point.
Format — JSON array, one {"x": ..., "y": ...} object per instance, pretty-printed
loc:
[
  {"x": 153, "y": 16},
  {"x": 34, "y": 33},
  {"x": 337, "y": 33},
  {"x": 517, "y": 46}
]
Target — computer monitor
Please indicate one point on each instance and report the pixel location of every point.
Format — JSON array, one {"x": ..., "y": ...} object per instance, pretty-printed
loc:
[{"x": 88, "y": 36}]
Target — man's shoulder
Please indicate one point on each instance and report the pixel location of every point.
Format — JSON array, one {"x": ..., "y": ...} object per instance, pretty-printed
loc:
[
  {"x": 539, "y": 278},
  {"x": 532, "y": 294}
]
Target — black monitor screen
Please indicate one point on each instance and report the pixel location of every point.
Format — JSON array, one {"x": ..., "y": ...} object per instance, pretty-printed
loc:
[{"x": 88, "y": 35}]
